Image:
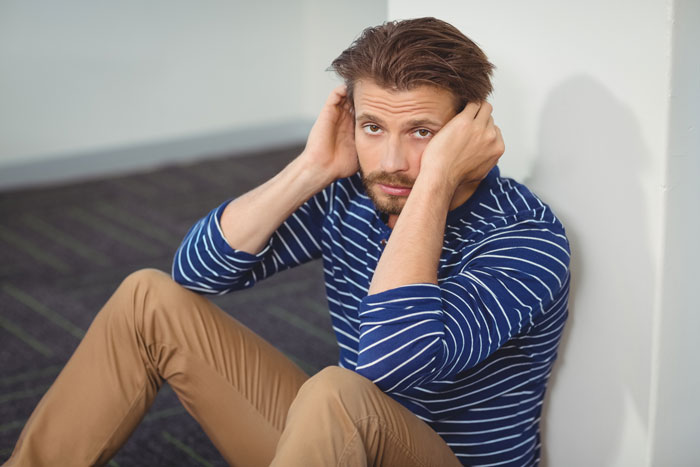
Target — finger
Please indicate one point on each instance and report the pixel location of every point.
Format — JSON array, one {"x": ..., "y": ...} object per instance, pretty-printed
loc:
[
  {"x": 484, "y": 113},
  {"x": 346, "y": 113},
  {"x": 470, "y": 110},
  {"x": 337, "y": 95}
]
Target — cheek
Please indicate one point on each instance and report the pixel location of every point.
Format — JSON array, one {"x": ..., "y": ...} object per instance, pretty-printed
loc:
[{"x": 368, "y": 153}]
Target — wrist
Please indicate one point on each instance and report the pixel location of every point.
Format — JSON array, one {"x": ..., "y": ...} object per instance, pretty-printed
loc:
[
  {"x": 433, "y": 187},
  {"x": 310, "y": 173},
  {"x": 438, "y": 182}
]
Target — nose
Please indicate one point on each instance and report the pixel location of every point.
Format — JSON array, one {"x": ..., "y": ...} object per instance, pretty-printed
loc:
[{"x": 394, "y": 157}]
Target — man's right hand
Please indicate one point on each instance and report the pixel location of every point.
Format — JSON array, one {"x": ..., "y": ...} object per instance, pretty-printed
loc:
[
  {"x": 330, "y": 148},
  {"x": 250, "y": 220}
]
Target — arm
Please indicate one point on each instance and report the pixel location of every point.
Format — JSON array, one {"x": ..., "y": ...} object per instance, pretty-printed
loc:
[
  {"x": 274, "y": 226},
  {"x": 511, "y": 280},
  {"x": 329, "y": 154}
]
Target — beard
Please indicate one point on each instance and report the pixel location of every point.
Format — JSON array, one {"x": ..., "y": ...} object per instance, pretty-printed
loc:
[{"x": 384, "y": 202}]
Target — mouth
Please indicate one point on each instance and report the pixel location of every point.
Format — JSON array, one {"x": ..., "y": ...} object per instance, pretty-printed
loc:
[{"x": 395, "y": 190}]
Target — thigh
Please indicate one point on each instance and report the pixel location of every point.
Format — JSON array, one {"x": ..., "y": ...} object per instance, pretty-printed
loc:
[{"x": 237, "y": 385}]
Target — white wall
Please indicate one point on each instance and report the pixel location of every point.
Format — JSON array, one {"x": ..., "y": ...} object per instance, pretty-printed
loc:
[
  {"x": 329, "y": 28},
  {"x": 676, "y": 427},
  {"x": 83, "y": 77},
  {"x": 582, "y": 97}
]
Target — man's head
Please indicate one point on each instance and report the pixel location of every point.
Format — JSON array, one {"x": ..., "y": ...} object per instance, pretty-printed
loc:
[
  {"x": 402, "y": 55},
  {"x": 405, "y": 81}
]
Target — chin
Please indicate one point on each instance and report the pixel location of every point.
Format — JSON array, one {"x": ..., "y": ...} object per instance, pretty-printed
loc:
[{"x": 387, "y": 204}]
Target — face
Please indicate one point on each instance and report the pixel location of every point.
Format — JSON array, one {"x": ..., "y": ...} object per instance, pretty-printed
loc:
[{"x": 392, "y": 128}]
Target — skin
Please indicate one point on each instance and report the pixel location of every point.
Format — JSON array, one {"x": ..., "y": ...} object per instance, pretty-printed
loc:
[{"x": 420, "y": 160}]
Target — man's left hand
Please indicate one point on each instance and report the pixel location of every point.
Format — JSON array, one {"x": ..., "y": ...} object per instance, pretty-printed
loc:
[{"x": 466, "y": 148}]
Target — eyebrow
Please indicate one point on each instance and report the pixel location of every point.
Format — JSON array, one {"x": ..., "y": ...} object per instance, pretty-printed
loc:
[
  {"x": 410, "y": 123},
  {"x": 369, "y": 117},
  {"x": 424, "y": 122}
]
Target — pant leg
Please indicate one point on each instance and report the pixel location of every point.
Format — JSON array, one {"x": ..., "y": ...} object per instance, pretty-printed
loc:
[
  {"x": 340, "y": 418},
  {"x": 235, "y": 384}
]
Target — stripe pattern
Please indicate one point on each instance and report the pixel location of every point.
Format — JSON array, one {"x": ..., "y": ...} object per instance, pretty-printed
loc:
[{"x": 471, "y": 355}]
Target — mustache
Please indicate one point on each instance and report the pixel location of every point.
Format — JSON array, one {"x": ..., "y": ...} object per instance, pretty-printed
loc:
[{"x": 384, "y": 178}]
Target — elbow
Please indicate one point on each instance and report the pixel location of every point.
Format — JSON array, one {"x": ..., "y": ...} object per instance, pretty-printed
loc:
[
  {"x": 379, "y": 375},
  {"x": 404, "y": 371},
  {"x": 176, "y": 272},
  {"x": 178, "y": 277},
  {"x": 196, "y": 283}
]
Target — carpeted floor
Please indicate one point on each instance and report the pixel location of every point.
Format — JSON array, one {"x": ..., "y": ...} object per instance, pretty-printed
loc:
[{"x": 63, "y": 251}]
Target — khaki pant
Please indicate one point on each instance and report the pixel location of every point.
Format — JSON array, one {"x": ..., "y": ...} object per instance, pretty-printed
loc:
[{"x": 257, "y": 406}]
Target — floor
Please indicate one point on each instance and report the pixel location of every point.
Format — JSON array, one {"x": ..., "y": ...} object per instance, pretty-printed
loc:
[{"x": 63, "y": 251}]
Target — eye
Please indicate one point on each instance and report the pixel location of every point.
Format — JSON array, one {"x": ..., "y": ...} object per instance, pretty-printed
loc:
[
  {"x": 372, "y": 129},
  {"x": 422, "y": 133}
]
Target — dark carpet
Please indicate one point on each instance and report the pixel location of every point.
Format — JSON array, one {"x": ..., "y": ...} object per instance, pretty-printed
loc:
[{"x": 65, "y": 249}]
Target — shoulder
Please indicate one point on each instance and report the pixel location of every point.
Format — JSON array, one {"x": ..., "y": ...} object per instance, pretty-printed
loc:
[
  {"x": 505, "y": 219},
  {"x": 501, "y": 203}
]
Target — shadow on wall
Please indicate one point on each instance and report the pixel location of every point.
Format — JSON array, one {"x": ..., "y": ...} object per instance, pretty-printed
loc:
[{"x": 591, "y": 163}]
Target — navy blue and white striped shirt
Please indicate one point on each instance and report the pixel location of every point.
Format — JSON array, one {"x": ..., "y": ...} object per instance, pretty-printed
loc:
[{"x": 471, "y": 355}]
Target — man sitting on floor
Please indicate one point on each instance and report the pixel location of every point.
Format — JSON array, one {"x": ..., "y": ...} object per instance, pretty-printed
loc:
[{"x": 447, "y": 287}]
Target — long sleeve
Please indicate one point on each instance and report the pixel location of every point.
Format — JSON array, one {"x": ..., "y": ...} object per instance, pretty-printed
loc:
[
  {"x": 419, "y": 333},
  {"x": 206, "y": 263}
]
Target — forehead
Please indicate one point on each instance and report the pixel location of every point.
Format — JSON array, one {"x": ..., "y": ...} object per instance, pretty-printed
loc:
[{"x": 391, "y": 104}]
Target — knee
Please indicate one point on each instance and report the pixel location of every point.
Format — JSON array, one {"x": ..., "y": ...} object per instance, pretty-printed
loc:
[
  {"x": 144, "y": 279},
  {"x": 334, "y": 384},
  {"x": 138, "y": 294},
  {"x": 148, "y": 285}
]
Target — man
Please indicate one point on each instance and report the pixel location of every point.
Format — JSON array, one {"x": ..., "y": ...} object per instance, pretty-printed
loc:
[{"x": 447, "y": 287}]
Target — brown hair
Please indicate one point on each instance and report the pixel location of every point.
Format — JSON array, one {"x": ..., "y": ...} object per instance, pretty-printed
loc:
[{"x": 415, "y": 52}]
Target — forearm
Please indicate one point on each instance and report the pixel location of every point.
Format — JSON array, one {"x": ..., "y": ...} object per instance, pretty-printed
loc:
[
  {"x": 412, "y": 254},
  {"x": 249, "y": 221}
]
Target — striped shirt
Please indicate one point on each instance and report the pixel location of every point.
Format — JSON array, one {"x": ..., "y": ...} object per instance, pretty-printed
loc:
[{"x": 471, "y": 355}]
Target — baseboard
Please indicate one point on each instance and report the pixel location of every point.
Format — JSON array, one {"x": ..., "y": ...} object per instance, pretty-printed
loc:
[{"x": 74, "y": 167}]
